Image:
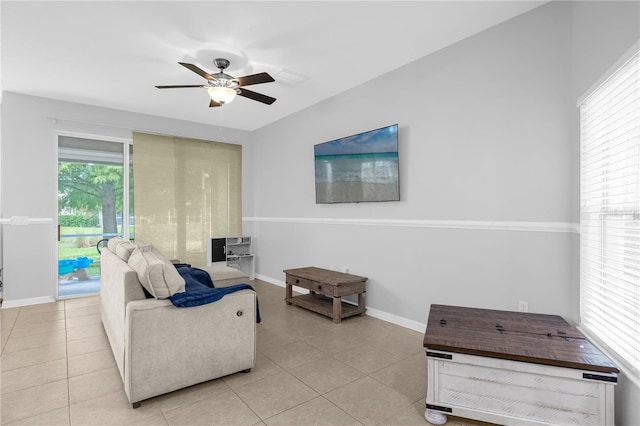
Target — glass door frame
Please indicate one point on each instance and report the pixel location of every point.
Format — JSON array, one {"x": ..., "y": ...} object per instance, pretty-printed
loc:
[{"x": 126, "y": 166}]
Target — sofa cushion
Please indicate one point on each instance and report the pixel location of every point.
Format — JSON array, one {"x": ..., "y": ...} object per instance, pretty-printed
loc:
[
  {"x": 155, "y": 272},
  {"x": 121, "y": 247},
  {"x": 219, "y": 273}
]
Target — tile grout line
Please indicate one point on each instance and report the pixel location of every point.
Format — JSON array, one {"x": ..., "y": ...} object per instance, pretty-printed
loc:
[
  {"x": 11, "y": 331},
  {"x": 320, "y": 395},
  {"x": 245, "y": 403},
  {"x": 66, "y": 349},
  {"x": 340, "y": 408},
  {"x": 19, "y": 390},
  {"x": 323, "y": 395}
]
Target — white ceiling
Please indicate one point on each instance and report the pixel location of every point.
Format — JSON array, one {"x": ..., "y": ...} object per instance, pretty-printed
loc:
[{"x": 113, "y": 53}]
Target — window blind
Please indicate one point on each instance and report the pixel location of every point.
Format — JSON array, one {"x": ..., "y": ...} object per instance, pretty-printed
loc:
[
  {"x": 186, "y": 190},
  {"x": 610, "y": 216}
]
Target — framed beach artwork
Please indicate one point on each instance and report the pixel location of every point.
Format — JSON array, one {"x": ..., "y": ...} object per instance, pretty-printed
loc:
[{"x": 358, "y": 168}]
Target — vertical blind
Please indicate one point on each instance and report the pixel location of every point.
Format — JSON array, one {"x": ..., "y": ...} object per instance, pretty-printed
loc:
[
  {"x": 610, "y": 215},
  {"x": 186, "y": 190}
]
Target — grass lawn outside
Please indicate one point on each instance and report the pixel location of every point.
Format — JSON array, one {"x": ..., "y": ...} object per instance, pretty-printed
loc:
[
  {"x": 80, "y": 246},
  {"x": 76, "y": 244}
]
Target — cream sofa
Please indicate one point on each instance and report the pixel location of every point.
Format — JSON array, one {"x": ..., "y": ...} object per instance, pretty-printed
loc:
[{"x": 160, "y": 348}]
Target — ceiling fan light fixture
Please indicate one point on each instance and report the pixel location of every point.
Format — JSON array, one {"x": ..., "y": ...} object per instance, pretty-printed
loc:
[
  {"x": 222, "y": 95},
  {"x": 224, "y": 88}
]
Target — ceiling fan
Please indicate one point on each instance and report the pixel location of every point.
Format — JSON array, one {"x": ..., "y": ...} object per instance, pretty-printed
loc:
[{"x": 223, "y": 88}]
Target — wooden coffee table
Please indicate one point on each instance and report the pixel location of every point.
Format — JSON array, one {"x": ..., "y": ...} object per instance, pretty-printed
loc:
[
  {"x": 514, "y": 368},
  {"x": 326, "y": 289}
]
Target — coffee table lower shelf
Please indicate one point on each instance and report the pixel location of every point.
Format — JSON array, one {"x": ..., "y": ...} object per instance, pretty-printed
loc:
[{"x": 324, "y": 305}]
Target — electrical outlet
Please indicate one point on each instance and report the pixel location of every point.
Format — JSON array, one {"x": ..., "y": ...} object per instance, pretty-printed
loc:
[{"x": 523, "y": 306}]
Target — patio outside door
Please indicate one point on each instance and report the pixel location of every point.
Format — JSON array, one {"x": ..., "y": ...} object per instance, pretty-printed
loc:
[{"x": 93, "y": 193}]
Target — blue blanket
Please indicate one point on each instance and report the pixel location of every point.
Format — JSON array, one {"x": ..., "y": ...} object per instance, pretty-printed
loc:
[
  {"x": 195, "y": 278},
  {"x": 199, "y": 290}
]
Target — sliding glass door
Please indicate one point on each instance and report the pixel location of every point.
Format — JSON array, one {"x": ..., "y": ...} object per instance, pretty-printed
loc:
[{"x": 93, "y": 196}]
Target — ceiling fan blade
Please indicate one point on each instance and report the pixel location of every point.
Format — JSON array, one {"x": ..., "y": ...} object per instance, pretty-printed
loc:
[
  {"x": 214, "y": 104},
  {"x": 179, "y": 86},
  {"x": 248, "y": 80},
  {"x": 256, "y": 96},
  {"x": 197, "y": 70}
]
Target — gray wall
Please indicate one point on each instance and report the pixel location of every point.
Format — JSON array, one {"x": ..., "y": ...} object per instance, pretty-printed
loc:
[
  {"x": 485, "y": 136},
  {"x": 489, "y": 138},
  {"x": 29, "y": 179}
]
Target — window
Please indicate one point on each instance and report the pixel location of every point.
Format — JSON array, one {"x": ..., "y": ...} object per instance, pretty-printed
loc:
[
  {"x": 610, "y": 215},
  {"x": 187, "y": 190},
  {"x": 93, "y": 194}
]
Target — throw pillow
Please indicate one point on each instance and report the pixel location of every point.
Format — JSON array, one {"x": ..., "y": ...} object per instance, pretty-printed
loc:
[
  {"x": 121, "y": 247},
  {"x": 155, "y": 272}
]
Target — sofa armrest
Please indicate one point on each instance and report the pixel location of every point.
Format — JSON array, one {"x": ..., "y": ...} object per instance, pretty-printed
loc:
[{"x": 169, "y": 348}]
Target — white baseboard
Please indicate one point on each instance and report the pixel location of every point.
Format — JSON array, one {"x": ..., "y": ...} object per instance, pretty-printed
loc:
[
  {"x": 270, "y": 280},
  {"x": 375, "y": 313},
  {"x": 397, "y": 320},
  {"x": 6, "y": 304}
]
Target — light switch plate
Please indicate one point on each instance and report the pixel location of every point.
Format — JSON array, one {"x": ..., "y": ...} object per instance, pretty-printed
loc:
[{"x": 19, "y": 220}]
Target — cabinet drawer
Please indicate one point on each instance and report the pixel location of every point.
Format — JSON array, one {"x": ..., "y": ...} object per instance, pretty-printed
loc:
[{"x": 309, "y": 284}]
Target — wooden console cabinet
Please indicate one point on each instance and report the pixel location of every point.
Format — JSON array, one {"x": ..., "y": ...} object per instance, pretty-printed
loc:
[
  {"x": 326, "y": 289},
  {"x": 514, "y": 368}
]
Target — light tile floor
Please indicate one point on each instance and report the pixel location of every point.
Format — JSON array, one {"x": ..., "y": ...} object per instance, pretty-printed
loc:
[{"x": 58, "y": 369}]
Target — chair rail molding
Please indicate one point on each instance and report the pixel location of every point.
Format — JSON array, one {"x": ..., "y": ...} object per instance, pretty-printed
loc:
[
  {"x": 26, "y": 220},
  {"x": 520, "y": 226}
]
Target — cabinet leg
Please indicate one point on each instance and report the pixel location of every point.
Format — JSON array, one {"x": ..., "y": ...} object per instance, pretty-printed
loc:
[
  {"x": 337, "y": 309},
  {"x": 435, "y": 417}
]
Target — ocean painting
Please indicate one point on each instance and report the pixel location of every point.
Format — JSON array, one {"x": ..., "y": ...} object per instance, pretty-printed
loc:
[{"x": 358, "y": 168}]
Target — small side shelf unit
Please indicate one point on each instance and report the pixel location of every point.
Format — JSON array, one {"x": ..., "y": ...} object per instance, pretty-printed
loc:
[{"x": 235, "y": 252}]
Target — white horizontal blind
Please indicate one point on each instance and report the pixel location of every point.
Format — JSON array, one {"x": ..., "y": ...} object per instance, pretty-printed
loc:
[{"x": 609, "y": 214}]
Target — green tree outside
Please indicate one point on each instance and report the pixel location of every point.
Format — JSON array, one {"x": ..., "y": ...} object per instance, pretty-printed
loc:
[{"x": 87, "y": 188}]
